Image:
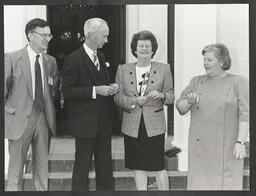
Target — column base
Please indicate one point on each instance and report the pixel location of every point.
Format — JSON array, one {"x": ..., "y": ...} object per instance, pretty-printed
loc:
[{"x": 183, "y": 160}]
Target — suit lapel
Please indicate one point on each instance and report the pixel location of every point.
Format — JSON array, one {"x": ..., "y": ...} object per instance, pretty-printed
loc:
[
  {"x": 152, "y": 72},
  {"x": 25, "y": 63},
  {"x": 49, "y": 107},
  {"x": 87, "y": 63},
  {"x": 104, "y": 68},
  {"x": 46, "y": 75},
  {"x": 90, "y": 65},
  {"x": 132, "y": 78}
]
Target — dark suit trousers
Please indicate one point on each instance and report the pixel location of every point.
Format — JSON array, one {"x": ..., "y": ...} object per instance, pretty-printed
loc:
[
  {"x": 35, "y": 134},
  {"x": 100, "y": 147}
]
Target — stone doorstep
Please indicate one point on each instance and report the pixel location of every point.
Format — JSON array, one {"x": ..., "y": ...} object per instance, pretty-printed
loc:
[
  {"x": 124, "y": 181},
  {"x": 121, "y": 184},
  {"x": 60, "y": 165},
  {"x": 64, "y": 163},
  {"x": 116, "y": 174},
  {"x": 63, "y": 150},
  {"x": 66, "y": 145}
]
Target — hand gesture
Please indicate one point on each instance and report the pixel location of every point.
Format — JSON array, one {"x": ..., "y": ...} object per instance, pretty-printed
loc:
[
  {"x": 115, "y": 86},
  {"x": 105, "y": 90},
  {"x": 155, "y": 95},
  {"x": 192, "y": 98},
  {"x": 239, "y": 151},
  {"x": 141, "y": 100}
]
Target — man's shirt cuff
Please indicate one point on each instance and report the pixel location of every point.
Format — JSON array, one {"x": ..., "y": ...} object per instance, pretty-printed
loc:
[{"x": 93, "y": 92}]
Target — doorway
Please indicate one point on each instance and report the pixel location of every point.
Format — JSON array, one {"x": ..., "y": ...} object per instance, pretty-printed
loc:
[{"x": 67, "y": 23}]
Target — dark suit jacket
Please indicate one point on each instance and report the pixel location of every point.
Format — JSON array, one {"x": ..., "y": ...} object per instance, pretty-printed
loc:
[
  {"x": 84, "y": 112},
  {"x": 18, "y": 92}
]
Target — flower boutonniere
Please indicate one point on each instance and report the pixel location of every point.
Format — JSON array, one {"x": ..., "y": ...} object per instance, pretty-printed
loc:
[{"x": 107, "y": 64}]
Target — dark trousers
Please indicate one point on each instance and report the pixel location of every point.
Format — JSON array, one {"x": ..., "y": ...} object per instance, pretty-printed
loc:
[{"x": 100, "y": 147}]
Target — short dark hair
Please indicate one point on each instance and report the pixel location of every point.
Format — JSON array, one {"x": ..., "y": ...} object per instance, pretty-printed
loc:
[
  {"x": 144, "y": 35},
  {"x": 32, "y": 24},
  {"x": 221, "y": 52}
]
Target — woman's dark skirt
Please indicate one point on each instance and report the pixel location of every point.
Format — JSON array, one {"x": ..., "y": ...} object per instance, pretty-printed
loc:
[{"x": 144, "y": 153}]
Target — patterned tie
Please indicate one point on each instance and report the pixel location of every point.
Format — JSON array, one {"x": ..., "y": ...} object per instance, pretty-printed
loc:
[
  {"x": 39, "y": 97},
  {"x": 95, "y": 58}
]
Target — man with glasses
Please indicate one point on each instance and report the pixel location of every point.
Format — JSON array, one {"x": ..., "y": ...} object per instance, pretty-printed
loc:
[{"x": 30, "y": 84}]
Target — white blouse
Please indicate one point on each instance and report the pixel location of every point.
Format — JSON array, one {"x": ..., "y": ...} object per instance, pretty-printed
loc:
[{"x": 142, "y": 77}]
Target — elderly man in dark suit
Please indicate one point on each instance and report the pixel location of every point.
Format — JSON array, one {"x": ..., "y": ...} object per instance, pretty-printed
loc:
[
  {"x": 30, "y": 83},
  {"x": 87, "y": 91}
]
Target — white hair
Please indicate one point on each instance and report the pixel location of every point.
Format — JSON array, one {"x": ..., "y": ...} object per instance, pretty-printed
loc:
[{"x": 92, "y": 25}]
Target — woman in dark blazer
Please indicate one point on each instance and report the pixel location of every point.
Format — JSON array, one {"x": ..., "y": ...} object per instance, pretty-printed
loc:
[{"x": 145, "y": 87}]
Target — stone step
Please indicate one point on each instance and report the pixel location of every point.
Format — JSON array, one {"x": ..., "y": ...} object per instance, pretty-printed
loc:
[
  {"x": 65, "y": 163},
  {"x": 124, "y": 181}
]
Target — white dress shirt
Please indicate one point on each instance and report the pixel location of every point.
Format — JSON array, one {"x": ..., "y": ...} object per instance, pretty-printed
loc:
[{"x": 32, "y": 59}]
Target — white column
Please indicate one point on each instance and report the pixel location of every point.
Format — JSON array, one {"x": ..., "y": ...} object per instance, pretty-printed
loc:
[
  {"x": 147, "y": 17},
  {"x": 237, "y": 22},
  {"x": 15, "y": 19},
  {"x": 235, "y": 18},
  {"x": 152, "y": 18},
  {"x": 195, "y": 27}
]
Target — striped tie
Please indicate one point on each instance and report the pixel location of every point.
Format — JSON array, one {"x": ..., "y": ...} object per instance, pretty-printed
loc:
[{"x": 95, "y": 60}]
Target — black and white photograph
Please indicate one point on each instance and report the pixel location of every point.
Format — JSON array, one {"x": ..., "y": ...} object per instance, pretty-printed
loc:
[{"x": 128, "y": 96}]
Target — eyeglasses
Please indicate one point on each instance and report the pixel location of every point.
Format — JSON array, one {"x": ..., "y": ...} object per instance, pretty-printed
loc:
[
  {"x": 44, "y": 35},
  {"x": 146, "y": 46}
]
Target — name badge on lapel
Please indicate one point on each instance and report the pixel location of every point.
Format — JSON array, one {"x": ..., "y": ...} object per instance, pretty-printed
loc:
[
  {"x": 107, "y": 64},
  {"x": 50, "y": 81}
]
